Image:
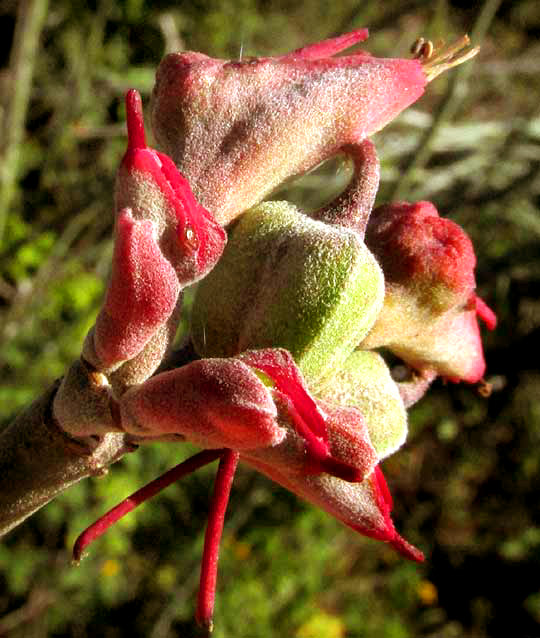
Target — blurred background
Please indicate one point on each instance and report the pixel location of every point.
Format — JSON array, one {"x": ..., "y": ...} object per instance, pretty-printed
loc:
[{"x": 465, "y": 485}]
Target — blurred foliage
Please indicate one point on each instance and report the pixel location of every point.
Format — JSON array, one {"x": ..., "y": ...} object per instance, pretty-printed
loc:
[{"x": 465, "y": 485}]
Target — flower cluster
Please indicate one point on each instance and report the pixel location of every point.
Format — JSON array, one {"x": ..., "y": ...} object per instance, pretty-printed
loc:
[{"x": 285, "y": 373}]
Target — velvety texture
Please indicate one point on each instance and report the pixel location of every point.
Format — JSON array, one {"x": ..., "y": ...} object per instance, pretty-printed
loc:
[
  {"x": 288, "y": 281},
  {"x": 238, "y": 129},
  {"x": 429, "y": 317}
]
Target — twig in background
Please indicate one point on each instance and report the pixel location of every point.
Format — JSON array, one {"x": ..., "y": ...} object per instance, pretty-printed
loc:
[{"x": 30, "y": 20}]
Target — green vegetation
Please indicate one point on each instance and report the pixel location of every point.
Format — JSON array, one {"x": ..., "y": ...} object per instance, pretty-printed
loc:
[{"x": 466, "y": 483}]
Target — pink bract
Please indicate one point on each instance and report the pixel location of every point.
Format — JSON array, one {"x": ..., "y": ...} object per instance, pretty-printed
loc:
[
  {"x": 142, "y": 293},
  {"x": 165, "y": 240},
  {"x": 238, "y": 129},
  {"x": 150, "y": 184},
  {"x": 429, "y": 318}
]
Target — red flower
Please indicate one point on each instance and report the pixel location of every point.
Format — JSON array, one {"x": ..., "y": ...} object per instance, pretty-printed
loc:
[
  {"x": 238, "y": 129},
  {"x": 165, "y": 240},
  {"x": 429, "y": 317},
  {"x": 258, "y": 405}
]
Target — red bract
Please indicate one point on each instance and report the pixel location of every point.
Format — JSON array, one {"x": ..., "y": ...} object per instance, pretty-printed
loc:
[
  {"x": 258, "y": 404},
  {"x": 238, "y": 129},
  {"x": 165, "y": 240},
  {"x": 364, "y": 507},
  {"x": 213, "y": 403},
  {"x": 142, "y": 293},
  {"x": 219, "y": 403},
  {"x": 429, "y": 318},
  {"x": 149, "y": 183}
]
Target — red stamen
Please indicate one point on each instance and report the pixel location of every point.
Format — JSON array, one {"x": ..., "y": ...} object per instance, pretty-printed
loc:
[
  {"x": 98, "y": 528},
  {"x": 135, "y": 121},
  {"x": 212, "y": 538}
]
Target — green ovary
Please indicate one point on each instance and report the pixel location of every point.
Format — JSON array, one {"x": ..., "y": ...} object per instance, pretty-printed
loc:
[{"x": 288, "y": 281}]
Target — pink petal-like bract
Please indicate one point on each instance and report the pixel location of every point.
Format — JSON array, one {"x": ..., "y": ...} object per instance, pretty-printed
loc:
[
  {"x": 141, "y": 296},
  {"x": 151, "y": 186},
  {"x": 365, "y": 507},
  {"x": 238, "y": 129},
  {"x": 211, "y": 402},
  {"x": 429, "y": 318},
  {"x": 165, "y": 240}
]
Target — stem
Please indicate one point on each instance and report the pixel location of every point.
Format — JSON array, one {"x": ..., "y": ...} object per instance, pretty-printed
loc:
[
  {"x": 414, "y": 389},
  {"x": 38, "y": 461},
  {"x": 98, "y": 528},
  {"x": 212, "y": 538},
  {"x": 30, "y": 20},
  {"x": 353, "y": 207}
]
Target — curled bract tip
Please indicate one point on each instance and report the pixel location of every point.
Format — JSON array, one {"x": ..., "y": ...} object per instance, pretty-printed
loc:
[
  {"x": 327, "y": 48},
  {"x": 407, "y": 550},
  {"x": 135, "y": 120},
  {"x": 485, "y": 313},
  {"x": 437, "y": 59}
]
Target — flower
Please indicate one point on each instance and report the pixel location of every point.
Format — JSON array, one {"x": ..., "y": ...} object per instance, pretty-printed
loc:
[
  {"x": 284, "y": 386},
  {"x": 259, "y": 405},
  {"x": 238, "y": 129},
  {"x": 429, "y": 317},
  {"x": 165, "y": 240},
  {"x": 289, "y": 281}
]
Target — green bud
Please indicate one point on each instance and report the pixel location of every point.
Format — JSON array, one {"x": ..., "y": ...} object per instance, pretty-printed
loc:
[
  {"x": 364, "y": 381},
  {"x": 286, "y": 280}
]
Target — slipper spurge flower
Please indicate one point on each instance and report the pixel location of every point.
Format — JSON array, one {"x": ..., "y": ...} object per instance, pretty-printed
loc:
[
  {"x": 237, "y": 129},
  {"x": 164, "y": 241},
  {"x": 288, "y": 319},
  {"x": 259, "y": 405},
  {"x": 429, "y": 317},
  {"x": 182, "y": 243}
]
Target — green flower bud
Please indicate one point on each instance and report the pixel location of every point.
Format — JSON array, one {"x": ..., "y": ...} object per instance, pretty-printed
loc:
[
  {"x": 286, "y": 280},
  {"x": 364, "y": 382}
]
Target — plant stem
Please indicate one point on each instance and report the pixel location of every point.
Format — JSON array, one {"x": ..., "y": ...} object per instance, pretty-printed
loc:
[{"x": 38, "y": 461}]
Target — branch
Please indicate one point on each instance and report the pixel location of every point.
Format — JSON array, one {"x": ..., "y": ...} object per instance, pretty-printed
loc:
[
  {"x": 30, "y": 20},
  {"x": 38, "y": 461}
]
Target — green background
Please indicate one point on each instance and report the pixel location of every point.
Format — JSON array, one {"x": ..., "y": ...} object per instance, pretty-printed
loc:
[{"x": 466, "y": 483}]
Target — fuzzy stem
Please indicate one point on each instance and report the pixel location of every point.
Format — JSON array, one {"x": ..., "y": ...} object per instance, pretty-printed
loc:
[
  {"x": 353, "y": 207},
  {"x": 212, "y": 538},
  {"x": 414, "y": 389},
  {"x": 38, "y": 461},
  {"x": 98, "y": 528}
]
